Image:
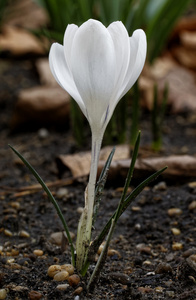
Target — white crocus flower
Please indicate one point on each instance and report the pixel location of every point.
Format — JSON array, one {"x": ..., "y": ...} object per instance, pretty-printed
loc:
[{"x": 96, "y": 66}]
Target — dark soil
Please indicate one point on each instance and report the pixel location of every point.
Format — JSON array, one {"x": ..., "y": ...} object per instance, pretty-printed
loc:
[{"x": 147, "y": 264}]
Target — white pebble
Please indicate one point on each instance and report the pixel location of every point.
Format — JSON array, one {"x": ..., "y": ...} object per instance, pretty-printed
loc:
[{"x": 62, "y": 287}]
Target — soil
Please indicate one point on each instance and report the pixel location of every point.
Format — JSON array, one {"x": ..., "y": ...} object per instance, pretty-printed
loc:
[{"x": 154, "y": 251}]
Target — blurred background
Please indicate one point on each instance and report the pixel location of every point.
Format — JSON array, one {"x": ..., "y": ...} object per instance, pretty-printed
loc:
[{"x": 31, "y": 100}]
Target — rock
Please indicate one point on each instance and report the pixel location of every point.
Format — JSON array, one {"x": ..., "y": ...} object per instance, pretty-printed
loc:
[
  {"x": 163, "y": 268},
  {"x": 177, "y": 246},
  {"x": 189, "y": 252},
  {"x": 74, "y": 280},
  {"x": 61, "y": 276},
  {"x": 24, "y": 234},
  {"x": 62, "y": 287},
  {"x": 174, "y": 212},
  {"x": 120, "y": 277},
  {"x": 43, "y": 106},
  {"x": 3, "y": 294},
  {"x": 34, "y": 295},
  {"x": 191, "y": 260},
  {"x": 38, "y": 252},
  {"x": 68, "y": 267},
  {"x": 53, "y": 270},
  {"x": 175, "y": 231},
  {"x": 56, "y": 237},
  {"x": 161, "y": 186},
  {"x": 78, "y": 291},
  {"x": 192, "y": 205}
]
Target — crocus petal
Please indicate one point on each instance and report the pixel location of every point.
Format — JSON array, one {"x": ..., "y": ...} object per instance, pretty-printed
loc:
[
  {"x": 67, "y": 42},
  {"x": 62, "y": 74},
  {"x": 138, "y": 47},
  {"x": 93, "y": 68},
  {"x": 121, "y": 42}
]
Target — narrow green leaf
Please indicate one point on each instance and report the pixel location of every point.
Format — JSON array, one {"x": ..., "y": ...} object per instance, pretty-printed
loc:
[
  {"x": 98, "y": 240},
  {"x": 52, "y": 199},
  {"x": 101, "y": 183}
]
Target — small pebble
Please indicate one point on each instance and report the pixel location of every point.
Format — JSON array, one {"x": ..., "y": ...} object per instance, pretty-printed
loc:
[
  {"x": 100, "y": 248},
  {"x": 74, "y": 280},
  {"x": 56, "y": 237},
  {"x": 62, "y": 287},
  {"x": 24, "y": 234},
  {"x": 62, "y": 192},
  {"x": 112, "y": 252},
  {"x": 192, "y": 184},
  {"x": 177, "y": 246},
  {"x": 191, "y": 260},
  {"x": 175, "y": 231},
  {"x": 170, "y": 294},
  {"x": 174, "y": 212},
  {"x": 3, "y": 294},
  {"x": 68, "y": 267},
  {"x": 161, "y": 186},
  {"x": 11, "y": 260},
  {"x": 8, "y": 233},
  {"x": 163, "y": 268},
  {"x": 61, "y": 276},
  {"x": 120, "y": 277},
  {"x": 144, "y": 290},
  {"x": 38, "y": 252},
  {"x": 159, "y": 289},
  {"x": 192, "y": 205},
  {"x": 34, "y": 295},
  {"x": 15, "y": 204},
  {"x": 135, "y": 208},
  {"x": 189, "y": 252},
  {"x": 144, "y": 248},
  {"x": 137, "y": 226},
  {"x": 78, "y": 291},
  {"x": 43, "y": 133},
  {"x": 147, "y": 262},
  {"x": 53, "y": 270},
  {"x": 80, "y": 210}
]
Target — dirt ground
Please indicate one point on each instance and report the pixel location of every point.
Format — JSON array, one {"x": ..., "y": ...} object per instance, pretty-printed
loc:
[{"x": 155, "y": 247}]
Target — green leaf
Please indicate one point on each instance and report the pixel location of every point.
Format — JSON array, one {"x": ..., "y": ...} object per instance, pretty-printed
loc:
[
  {"x": 101, "y": 183},
  {"x": 126, "y": 203},
  {"x": 52, "y": 199}
]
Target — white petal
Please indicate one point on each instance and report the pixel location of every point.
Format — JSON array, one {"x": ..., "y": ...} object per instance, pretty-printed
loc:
[
  {"x": 136, "y": 61},
  {"x": 68, "y": 40},
  {"x": 138, "y": 47},
  {"x": 62, "y": 74},
  {"x": 93, "y": 67},
  {"x": 120, "y": 38}
]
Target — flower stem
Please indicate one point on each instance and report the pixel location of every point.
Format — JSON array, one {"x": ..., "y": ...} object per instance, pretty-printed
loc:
[{"x": 85, "y": 223}]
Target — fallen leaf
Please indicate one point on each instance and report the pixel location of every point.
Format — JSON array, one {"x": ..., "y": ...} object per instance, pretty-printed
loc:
[
  {"x": 79, "y": 163},
  {"x": 178, "y": 165}
]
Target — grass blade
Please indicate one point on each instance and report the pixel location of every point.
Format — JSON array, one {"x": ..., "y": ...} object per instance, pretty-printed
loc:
[{"x": 101, "y": 183}]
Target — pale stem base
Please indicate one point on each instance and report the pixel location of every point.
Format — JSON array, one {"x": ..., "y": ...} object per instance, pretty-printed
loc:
[{"x": 85, "y": 223}]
